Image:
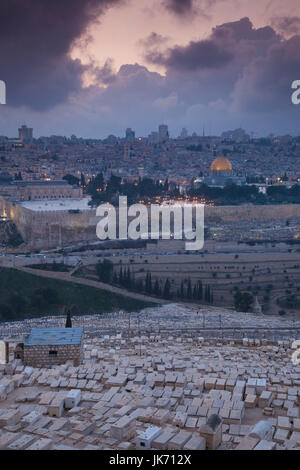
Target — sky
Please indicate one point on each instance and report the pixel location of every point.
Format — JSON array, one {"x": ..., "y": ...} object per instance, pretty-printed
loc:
[{"x": 96, "y": 67}]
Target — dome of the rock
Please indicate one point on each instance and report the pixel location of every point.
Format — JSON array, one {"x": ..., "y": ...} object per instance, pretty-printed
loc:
[{"x": 221, "y": 164}]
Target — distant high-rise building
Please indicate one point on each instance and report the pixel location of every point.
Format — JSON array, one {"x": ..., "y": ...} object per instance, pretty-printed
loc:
[
  {"x": 153, "y": 137},
  {"x": 184, "y": 133},
  {"x": 127, "y": 149},
  {"x": 238, "y": 135},
  {"x": 163, "y": 133},
  {"x": 25, "y": 134},
  {"x": 130, "y": 134}
]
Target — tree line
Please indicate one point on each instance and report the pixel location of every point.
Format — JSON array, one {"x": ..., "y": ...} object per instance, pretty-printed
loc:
[
  {"x": 147, "y": 188},
  {"x": 124, "y": 278}
]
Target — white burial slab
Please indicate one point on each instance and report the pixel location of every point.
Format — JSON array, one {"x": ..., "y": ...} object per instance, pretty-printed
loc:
[
  {"x": 72, "y": 399},
  {"x": 2, "y": 352},
  {"x": 144, "y": 440}
]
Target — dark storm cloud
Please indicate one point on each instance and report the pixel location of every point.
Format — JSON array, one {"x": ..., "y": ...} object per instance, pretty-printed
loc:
[
  {"x": 201, "y": 54},
  {"x": 286, "y": 25},
  {"x": 247, "y": 69},
  {"x": 106, "y": 74},
  {"x": 153, "y": 40},
  {"x": 243, "y": 30},
  {"x": 184, "y": 9},
  {"x": 266, "y": 82},
  {"x": 225, "y": 42},
  {"x": 179, "y": 7},
  {"x": 238, "y": 74},
  {"x": 35, "y": 41}
]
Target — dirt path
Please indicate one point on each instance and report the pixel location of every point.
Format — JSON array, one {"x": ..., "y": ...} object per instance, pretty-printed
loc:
[{"x": 62, "y": 276}]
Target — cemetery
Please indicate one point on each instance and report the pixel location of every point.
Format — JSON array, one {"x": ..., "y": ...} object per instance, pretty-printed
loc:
[{"x": 144, "y": 386}]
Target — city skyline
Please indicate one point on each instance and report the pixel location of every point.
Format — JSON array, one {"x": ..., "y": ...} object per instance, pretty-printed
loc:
[
  {"x": 159, "y": 134},
  {"x": 107, "y": 65}
]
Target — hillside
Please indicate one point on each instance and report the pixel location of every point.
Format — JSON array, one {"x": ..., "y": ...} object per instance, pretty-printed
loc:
[{"x": 23, "y": 295}]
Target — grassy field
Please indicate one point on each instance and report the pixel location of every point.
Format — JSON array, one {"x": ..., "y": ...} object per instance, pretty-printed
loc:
[{"x": 24, "y": 295}]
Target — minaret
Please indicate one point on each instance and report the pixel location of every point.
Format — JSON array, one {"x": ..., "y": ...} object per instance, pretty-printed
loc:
[{"x": 257, "y": 306}]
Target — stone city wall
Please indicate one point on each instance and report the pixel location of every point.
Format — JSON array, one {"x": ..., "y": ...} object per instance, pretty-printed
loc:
[
  {"x": 52, "y": 229},
  {"x": 251, "y": 213}
]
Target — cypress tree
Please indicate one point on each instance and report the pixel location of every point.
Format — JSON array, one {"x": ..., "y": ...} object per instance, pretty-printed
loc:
[
  {"x": 195, "y": 292},
  {"x": 206, "y": 294},
  {"x": 68, "y": 320},
  {"x": 182, "y": 290},
  {"x": 167, "y": 289},
  {"x": 189, "y": 290},
  {"x": 156, "y": 288},
  {"x": 128, "y": 278},
  {"x": 121, "y": 276},
  {"x": 150, "y": 283},
  {"x": 200, "y": 290}
]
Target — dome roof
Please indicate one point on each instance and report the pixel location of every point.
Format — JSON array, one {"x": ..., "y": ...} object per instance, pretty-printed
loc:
[{"x": 221, "y": 164}]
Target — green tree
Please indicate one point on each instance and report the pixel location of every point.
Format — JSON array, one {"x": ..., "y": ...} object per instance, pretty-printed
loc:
[
  {"x": 182, "y": 290},
  {"x": 200, "y": 290},
  {"x": 68, "y": 319},
  {"x": 104, "y": 270},
  {"x": 189, "y": 292},
  {"x": 156, "y": 289},
  {"x": 71, "y": 179},
  {"x": 207, "y": 294},
  {"x": 121, "y": 276},
  {"x": 148, "y": 283},
  {"x": 243, "y": 301},
  {"x": 167, "y": 290}
]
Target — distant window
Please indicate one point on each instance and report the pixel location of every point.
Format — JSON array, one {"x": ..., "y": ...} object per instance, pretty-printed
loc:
[{"x": 53, "y": 353}]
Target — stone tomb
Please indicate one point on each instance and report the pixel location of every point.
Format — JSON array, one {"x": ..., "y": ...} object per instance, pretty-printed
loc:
[
  {"x": 212, "y": 432},
  {"x": 4, "y": 352},
  {"x": 45, "y": 347}
]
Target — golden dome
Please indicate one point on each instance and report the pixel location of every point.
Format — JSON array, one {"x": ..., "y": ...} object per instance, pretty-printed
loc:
[{"x": 221, "y": 164}]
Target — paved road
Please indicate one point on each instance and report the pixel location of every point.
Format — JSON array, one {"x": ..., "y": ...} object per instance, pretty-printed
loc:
[{"x": 88, "y": 282}]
